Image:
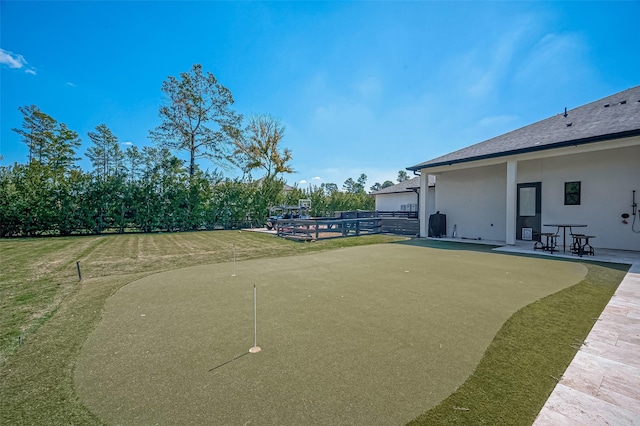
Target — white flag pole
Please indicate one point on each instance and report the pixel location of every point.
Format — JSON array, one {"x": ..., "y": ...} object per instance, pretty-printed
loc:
[
  {"x": 234, "y": 261},
  {"x": 255, "y": 348}
]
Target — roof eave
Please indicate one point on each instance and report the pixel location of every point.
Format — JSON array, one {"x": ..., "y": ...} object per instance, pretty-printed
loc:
[{"x": 574, "y": 142}]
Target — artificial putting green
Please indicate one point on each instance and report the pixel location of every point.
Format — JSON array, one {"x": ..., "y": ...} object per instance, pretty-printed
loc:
[{"x": 364, "y": 335}]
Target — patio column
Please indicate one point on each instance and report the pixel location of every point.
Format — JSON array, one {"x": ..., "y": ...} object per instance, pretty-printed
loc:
[
  {"x": 423, "y": 203},
  {"x": 512, "y": 185}
]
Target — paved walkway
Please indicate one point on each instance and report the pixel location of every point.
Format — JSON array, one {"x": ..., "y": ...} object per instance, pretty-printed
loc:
[{"x": 602, "y": 384}]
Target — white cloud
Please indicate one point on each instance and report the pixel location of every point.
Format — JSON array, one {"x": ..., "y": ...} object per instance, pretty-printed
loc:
[
  {"x": 127, "y": 143},
  {"x": 11, "y": 59},
  {"x": 558, "y": 55},
  {"x": 14, "y": 60},
  {"x": 479, "y": 73},
  {"x": 302, "y": 182},
  {"x": 497, "y": 120},
  {"x": 324, "y": 114},
  {"x": 70, "y": 84},
  {"x": 317, "y": 178},
  {"x": 369, "y": 88}
]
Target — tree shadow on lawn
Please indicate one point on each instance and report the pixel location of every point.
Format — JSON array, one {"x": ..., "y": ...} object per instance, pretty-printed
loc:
[{"x": 448, "y": 245}]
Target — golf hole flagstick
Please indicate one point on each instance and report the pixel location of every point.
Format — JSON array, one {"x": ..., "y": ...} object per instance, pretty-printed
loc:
[
  {"x": 255, "y": 348},
  {"x": 234, "y": 261}
]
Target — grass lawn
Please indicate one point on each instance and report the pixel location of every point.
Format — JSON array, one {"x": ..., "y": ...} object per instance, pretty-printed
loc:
[{"x": 343, "y": 355}]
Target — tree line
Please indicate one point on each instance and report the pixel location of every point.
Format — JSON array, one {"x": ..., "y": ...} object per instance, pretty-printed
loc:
[{"x": 151, "y": 189}]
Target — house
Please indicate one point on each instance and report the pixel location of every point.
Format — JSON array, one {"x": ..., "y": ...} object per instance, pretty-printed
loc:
[
  {"x": 581, "y": 166},
  {"x": 404, "y": 196}
]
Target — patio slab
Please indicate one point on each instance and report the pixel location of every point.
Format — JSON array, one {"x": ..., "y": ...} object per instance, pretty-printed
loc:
[{"x": 601, "y": 255}]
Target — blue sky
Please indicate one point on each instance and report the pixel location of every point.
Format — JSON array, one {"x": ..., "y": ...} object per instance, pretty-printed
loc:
[{"x": 362, "y": 87}]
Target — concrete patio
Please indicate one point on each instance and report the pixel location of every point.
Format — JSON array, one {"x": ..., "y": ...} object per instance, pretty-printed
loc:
[{"x": 600, "y": 255}]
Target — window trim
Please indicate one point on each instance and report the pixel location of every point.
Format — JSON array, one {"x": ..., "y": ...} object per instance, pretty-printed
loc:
[{"x": 572, "y": 193}]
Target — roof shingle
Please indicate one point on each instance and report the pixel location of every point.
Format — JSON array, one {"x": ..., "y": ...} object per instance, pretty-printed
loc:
[
  {"x": 405, "y": 186},
  {"x": 612, "y": 117}
]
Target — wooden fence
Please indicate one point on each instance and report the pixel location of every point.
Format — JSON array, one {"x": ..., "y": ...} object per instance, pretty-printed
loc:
[
  {"x": 315, "y": 229},
  {"x": 400, "y": 226},
  {"x": 350, "y": 223}
]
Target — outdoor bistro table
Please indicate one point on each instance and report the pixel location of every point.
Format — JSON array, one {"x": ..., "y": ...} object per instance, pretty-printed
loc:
[{"x": 564, "y": 227}]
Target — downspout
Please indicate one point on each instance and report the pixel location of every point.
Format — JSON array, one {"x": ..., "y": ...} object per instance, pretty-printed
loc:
[{"x": 416, "y": 190}]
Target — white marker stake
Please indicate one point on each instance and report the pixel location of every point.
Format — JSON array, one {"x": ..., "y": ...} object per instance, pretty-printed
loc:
[
  {"x": 255, "y": 348},
  {"x": 234, "y": 261}
]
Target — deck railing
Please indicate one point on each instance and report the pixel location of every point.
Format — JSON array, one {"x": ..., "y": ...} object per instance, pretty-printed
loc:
[{"x": 309, "y": 229}]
